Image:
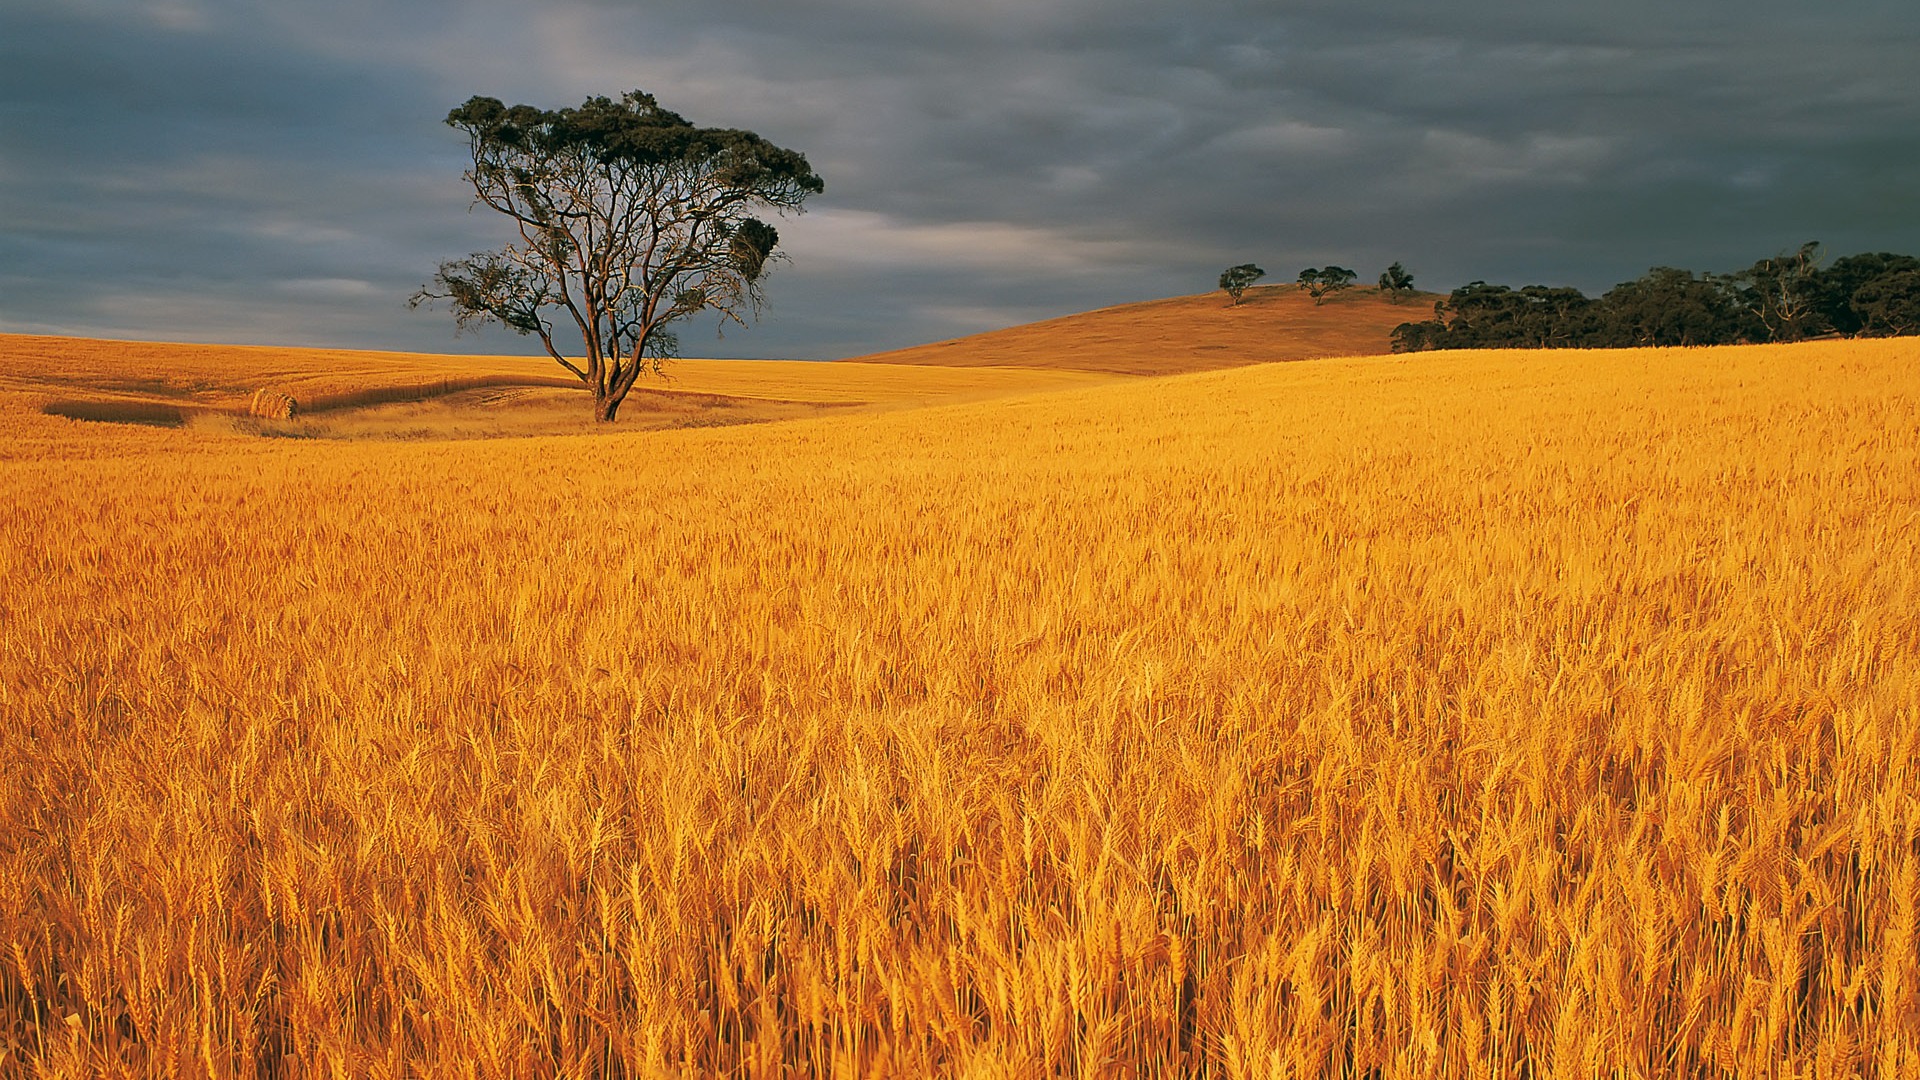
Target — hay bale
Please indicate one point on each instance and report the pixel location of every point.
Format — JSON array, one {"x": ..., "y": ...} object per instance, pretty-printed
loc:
[{"x": 272, "y": 405}]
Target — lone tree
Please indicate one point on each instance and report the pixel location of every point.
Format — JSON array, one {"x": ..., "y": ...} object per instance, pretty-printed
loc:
[
  {"x": 1396, "y": 282},
  {"x": 1319, "y": 282},
  {"x": 629, "y": 219},
  {"x": 1238, "y": 279}
]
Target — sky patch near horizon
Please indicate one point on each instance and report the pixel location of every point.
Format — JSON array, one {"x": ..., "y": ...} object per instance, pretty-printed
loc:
[{"x": 277, "y": 172}]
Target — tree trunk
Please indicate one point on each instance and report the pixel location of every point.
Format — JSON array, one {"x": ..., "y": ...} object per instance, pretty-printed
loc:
[{"x": 606, "y": 406}]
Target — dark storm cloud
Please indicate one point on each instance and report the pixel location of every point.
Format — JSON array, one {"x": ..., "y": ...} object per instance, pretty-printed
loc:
[
  {"x": 172, "y": 175},
  {"x": 277, "y": 171}
]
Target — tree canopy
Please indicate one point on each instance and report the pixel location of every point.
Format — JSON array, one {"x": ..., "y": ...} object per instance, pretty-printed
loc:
[
  {"x": 1238, "y": 279},
  {"x": 1319, "y": 282},
  {"x": 1396, "y": 282},
  {"x": 1853, "y": 280},
  {"x": 1888, "y": 304},
  {"x": 628, "y": 219},
  {"x": 1783, "y": 293}
]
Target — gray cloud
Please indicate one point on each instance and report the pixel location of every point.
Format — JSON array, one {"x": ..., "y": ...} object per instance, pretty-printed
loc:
[{"x": 276, "y": 171}]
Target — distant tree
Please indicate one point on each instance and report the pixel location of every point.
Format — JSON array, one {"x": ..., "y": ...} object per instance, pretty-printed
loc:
[
  {"x": 1396, "y": 282},
  {"x": 1534, "y": 317},
  {"x": 1478, "y": 315},
  {"x": 1841, "y": 281},
  {"x": 1889, "y": 305},
  {"x": 1482, "y": 316},
  {"x": 1558, "y": 318},
  {"x": 1238, "y": 279},
  {"x": 1784, "y": 294},
  {"x": 629, "y": 219},
  {"x": 1320, "y": 282},
  {"x": 1419, "y": 336},
  {"x": 1667, "y": 306}
]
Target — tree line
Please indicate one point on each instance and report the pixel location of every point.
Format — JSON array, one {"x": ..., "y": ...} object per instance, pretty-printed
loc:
[
  {"x": 1788, "y": 297},
  {"x": 1318, "y": 282}
]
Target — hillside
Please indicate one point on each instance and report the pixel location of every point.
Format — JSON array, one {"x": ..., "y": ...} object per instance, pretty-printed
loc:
[{"x": 1184, "y": 333}]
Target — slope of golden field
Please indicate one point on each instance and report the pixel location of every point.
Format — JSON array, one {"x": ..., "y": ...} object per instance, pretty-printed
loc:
[
  {"x": 418, "y": 395},
  {"x": 1185, "y": 333},
  {"x": 1462, "y": 715},
  {"x": 38, "y": 369}
]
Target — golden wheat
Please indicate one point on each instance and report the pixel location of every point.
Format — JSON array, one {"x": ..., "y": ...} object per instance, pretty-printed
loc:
[{"x": 1460, "y": 715}]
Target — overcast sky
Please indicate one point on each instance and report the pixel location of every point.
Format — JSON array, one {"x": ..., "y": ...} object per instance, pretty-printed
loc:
[{"x": 276, "y": 171}]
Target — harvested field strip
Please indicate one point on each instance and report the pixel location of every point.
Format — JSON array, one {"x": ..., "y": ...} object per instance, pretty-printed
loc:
[
  {"x": 391, "y": 395},
  {"x": 119, "y": 412}
]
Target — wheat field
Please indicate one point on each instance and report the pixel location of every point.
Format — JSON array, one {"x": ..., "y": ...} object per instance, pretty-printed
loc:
[{"x": 1457, "y": 715}]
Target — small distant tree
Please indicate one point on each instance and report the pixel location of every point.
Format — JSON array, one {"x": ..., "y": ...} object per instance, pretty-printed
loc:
[
  {"x": 1396, "y": 283},
  {"x": 1238, "y": 279},
  {"x": 625, "y": 219},
  {"x": 1320, "y": 282}
]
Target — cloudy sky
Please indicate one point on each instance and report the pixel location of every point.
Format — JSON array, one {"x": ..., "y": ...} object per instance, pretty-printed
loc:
[{"x": 276, "y": 171}]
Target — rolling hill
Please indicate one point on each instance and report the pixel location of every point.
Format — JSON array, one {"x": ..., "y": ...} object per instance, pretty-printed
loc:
[
  {"x": 1183, "y": 333},
  {"x": 395, "y": 394}
]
